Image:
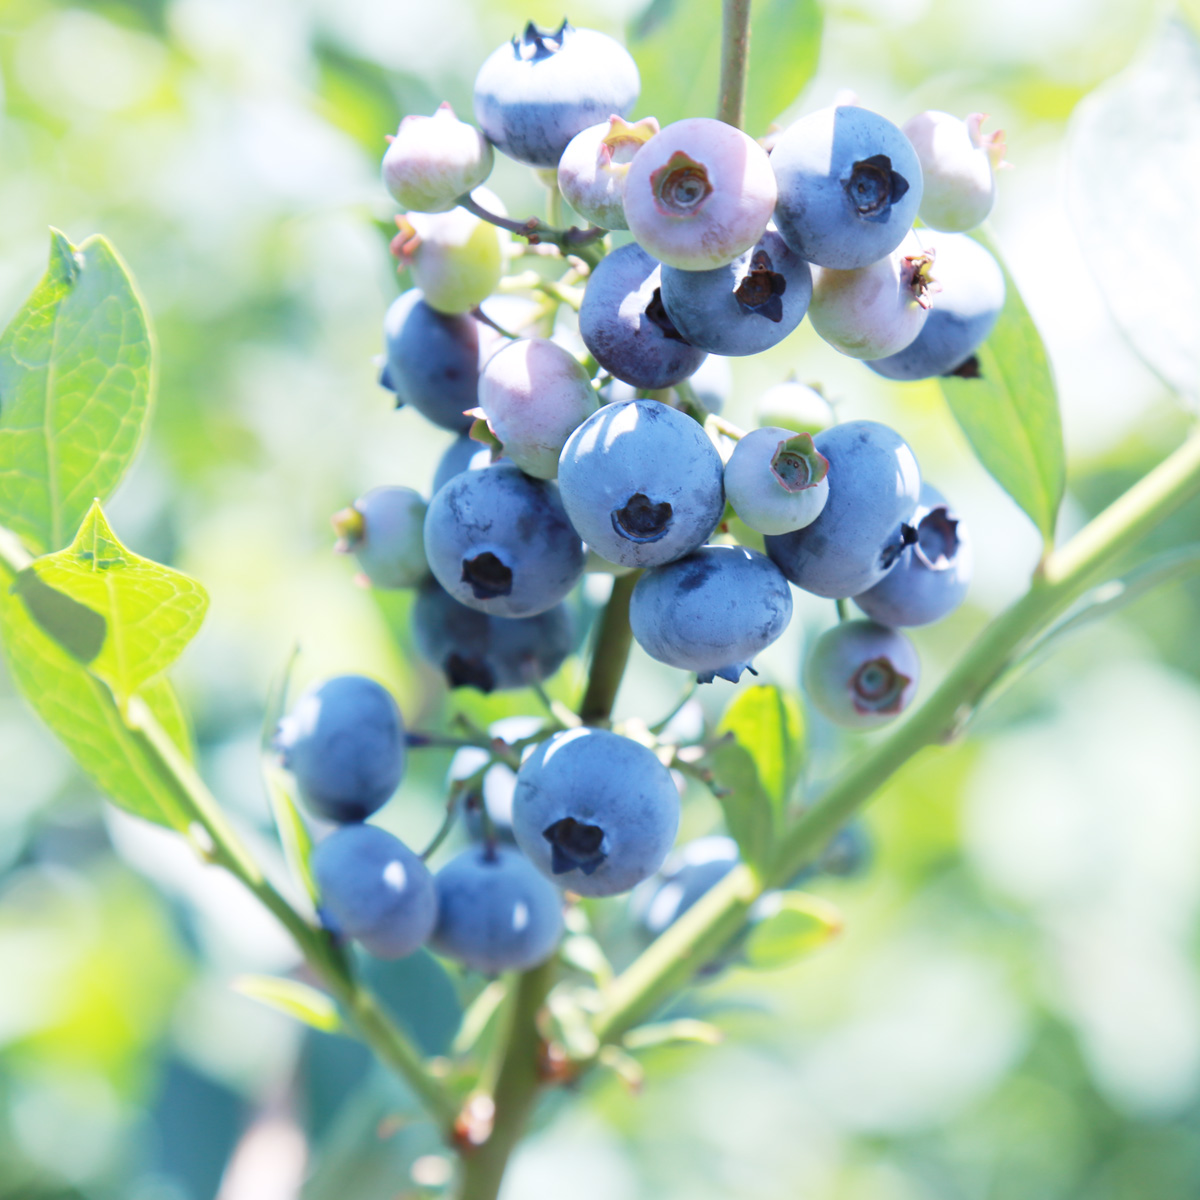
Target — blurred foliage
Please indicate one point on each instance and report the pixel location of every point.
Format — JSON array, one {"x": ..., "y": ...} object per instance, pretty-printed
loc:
[{"x": 1012, "y": 1011}]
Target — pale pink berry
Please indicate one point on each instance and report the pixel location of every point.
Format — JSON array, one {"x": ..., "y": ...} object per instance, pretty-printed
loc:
[
  {"x": 698, "y": 194},
  {"x": 593, "y": 168},
  {"x": 958, "y": 162},
  {"x": 876, "y": 310},
  {"x": 432, "y": 161}
]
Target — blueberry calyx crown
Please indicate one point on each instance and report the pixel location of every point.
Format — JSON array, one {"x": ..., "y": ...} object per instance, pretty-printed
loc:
[
  {"x": 797, "y": 464},
  {"x": 967, "y": 369},
  {"x": 351, "y": 528},
  {"x": 487, "y": 575},
  {"x": 873, "y": 187},
  {"x": 761, "y": 287},
  {"x": 877, "y": 687},
  {"x": 641, "y": 519},
  {"x": 575, "y": 845},
  {"x": 461, "y": 671},
  {"x": 535, "y": 43},
  {"x": 680, "y": 186},
  {"x": 937, "y": 539},
  {"x": 656, "y": 314},
  {"x": 916, "y": 271}
]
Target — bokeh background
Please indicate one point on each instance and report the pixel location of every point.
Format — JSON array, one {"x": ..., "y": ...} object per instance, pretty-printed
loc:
[{"x": 1013, "y": 1010}]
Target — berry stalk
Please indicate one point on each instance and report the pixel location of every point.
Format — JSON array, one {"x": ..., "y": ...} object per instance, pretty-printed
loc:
[
  {"x": 735, "y": 56},
  {"x": 610, "y": 654}
]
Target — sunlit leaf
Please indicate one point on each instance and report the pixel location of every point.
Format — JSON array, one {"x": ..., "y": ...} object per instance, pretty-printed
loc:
[
  {"x": 1009, "y": 411},
  {"x": 75, "y": 386},
  {"x": 149, "y": 612},
  {"x": 293, "y": 832},
  {"x": 770, "y": 725},
  {"x": 295, "y": 999},
  {"x": 749, "y": 811},
  {"x": 793, "y": 926},
  {"x": 1134, "y": 169}
]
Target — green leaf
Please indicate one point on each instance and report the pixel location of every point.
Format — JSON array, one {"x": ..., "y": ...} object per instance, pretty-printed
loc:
[
  {"x": 81, "y": 712},
  {"x": 75, "y": 385},
  {"x": 293, "y": 999},
  {"x": 749, "y": 811},
  {"x": 795, "y": 924},
  {"x": 785, "y": 40},
  {"x": 1010, "y": 411},
  {"x": 1133, "y": 164},
  {"x": 149, "y": 612},
  {"x": 770, "y": 725},
  {"x": 293, "y": 833}
]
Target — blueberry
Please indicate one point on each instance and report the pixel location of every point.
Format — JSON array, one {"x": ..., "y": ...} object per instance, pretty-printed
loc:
[
  {"x": 455, "y": 258},
  {"x": 534, "y": 395},
  {"x": 875, "y": 310},
  {"x": 479, "y": 650},
  {"x": 463, "y": 454},
  {"x": 535, "y": 93},
  {"x": 623, "y": 323},
  {"x": 594, "y": 811},
  {"x": 343, "y": 740},
  {"x": 964, "y": 312},
  {"x": 744, "y": 307},
  {"x": 495, "y": 912},
  {"x": 958, "y": 162},
  {"x": 689, "y": 872},
  {"x": 712, "y": 611},
  {"x": 776, "y": 480},
  {"x": 849, "y": 186},
  {"x": 699, "y": 194},
  {"x": 847, "y": 854},
  {"x": 500, "y": 780},
  {"x": 374, "y": 889},
  {"x": 593, "y": 168},
  {"x": 432, "y": 161},
  {"x": 384, "y": 528},
  {"x": 874, "y": 483},
  {"x": 860, "y": 674},
  {"x": 500, "y": 542},
  {"x": 432, "y": 360},
  {"x": 931, "y": 577},
  {"x": 641, "y": 483}
]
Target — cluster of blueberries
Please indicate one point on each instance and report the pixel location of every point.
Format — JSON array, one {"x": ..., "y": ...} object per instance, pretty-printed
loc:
[{"x": 731, "y": 242}]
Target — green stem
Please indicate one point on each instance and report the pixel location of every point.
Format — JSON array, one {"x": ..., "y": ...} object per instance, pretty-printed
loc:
[
  {"x": 735, "y": 54},
  {"x": 583, "y": 243},
  {"x": 709, "y": 925},
  {"x": 610, "y": 654},
  {"x": 517, "y": 1087}
]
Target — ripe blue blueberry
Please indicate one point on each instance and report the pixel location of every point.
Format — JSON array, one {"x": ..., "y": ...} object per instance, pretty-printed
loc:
[
  {"x": 641, "y": 483},
  {"x": 490, "y": 653},
  {"x": 849, "y": 186},
  {"x": 964, "y": 312},
  {"x": 874, "y": 483},
  {"x": 535, "y": 93},
  {"x": 689, "y": 872},
  {"x": 384, "y": 529},
  {"x": 500, "y": 542},
  {"x": 744, "y": 307},
  {"x": 712, "y": 611},
  {"x": 343, "y": 740},
  {"x": 625, "y": 326},
  {"x": 776, "y": 480},
  {"x": 374, "y": 889},
  {"x": 930, "y": 579},
  {"x": 594, "y": 811},
  {"x": 432, "y": 360},
  {"x": 860, "y": 674},
  {"x": 495, "y": 912}
]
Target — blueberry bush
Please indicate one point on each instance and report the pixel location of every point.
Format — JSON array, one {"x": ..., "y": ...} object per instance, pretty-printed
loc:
[{"x": 546, "y": 836}]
